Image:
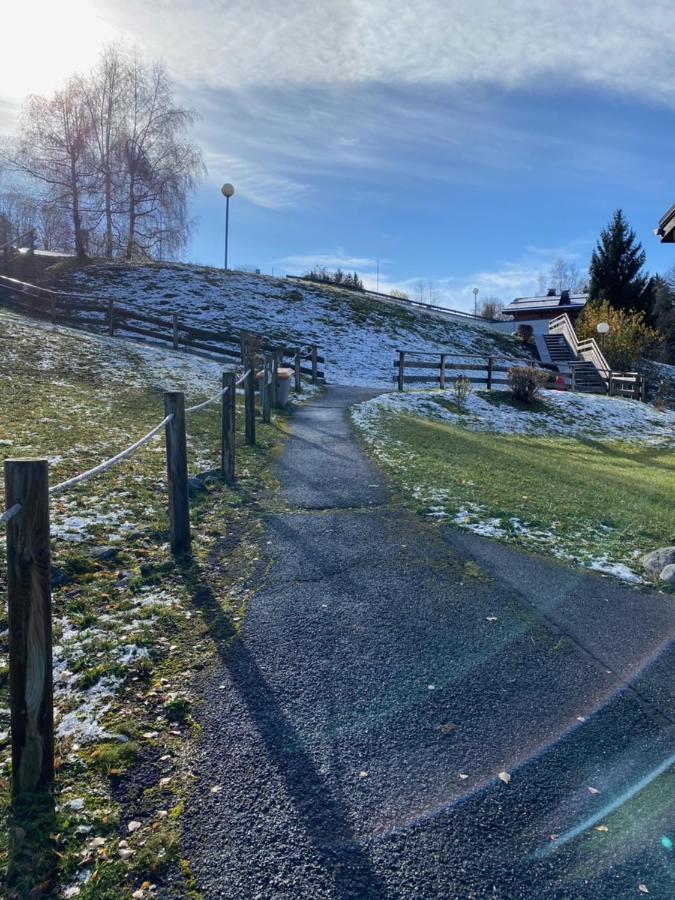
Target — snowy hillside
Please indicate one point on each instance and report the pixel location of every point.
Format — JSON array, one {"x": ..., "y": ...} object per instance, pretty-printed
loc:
[{"x": 358, "y": 334}]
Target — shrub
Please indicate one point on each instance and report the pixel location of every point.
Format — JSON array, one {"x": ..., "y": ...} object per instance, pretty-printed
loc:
[
  {"x": 629, "y": 336},
  {"x": 461, "y": 389},
  {"x": 525, "y": 381},
  {"x": 524, "y": 333}
]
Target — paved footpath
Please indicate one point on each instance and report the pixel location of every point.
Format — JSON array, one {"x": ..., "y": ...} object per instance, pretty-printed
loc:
[{"x": 358, "y": 725}]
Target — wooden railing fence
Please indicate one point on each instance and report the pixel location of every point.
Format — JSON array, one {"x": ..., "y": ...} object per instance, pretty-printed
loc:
[
  {"x": 444, "y": 368},
  {"x": 27, "y": 520},
  {"x": 112, "y": 318}
]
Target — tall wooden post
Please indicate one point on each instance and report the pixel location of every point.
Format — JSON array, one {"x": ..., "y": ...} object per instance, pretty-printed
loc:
[
  {"x": 315, "y": 366},
  {"x": 489, "y": 373},
  {"x": 277, "y": 360},
  {"x": 298, "y": 374},
  {"x": 401, "y": 369},
  {"x": 174, "y": 324},
  {"x": 177, "y": 472},
  {"x": 266, "y": 392},
  {"x": 30, "y": 625},
  {"x": 442, "y": 372},
  {"x": 227, "y": 427},
  {"x": 249, "y": 402},
  {"x": 111, "y": 317}
]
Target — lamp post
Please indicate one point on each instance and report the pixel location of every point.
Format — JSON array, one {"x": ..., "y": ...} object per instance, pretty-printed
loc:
[
  {"x": 602, "y": 329},
  {"x": 227, "y": 191},
  {"x": 475, "y": 301}
]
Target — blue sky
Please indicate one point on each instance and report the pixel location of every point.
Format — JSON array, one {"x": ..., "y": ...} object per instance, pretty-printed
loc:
[{"x": 465, "y": 142}]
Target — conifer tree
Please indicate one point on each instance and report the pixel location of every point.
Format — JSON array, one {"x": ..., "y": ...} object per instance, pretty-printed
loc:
[{"x": 616, "y": 272}]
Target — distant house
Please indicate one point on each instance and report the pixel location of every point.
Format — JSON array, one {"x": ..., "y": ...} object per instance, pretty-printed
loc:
[
  {"x": 666, "y": 227},
  {"x": 538, "y": 311}
]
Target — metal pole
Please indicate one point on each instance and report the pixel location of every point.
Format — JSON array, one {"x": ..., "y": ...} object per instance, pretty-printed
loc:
[{"x": 227, "y": 226}]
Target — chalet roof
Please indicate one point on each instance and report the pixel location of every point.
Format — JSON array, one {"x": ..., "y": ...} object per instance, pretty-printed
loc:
[
  {"x": 666, "y": 227},
  {"x": 552, "y": 301}
]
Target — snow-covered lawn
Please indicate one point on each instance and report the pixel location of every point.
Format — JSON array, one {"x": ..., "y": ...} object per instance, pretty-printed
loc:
[
  {"x": 585, "y": 478},
  {"x": 358, "y": 334}
]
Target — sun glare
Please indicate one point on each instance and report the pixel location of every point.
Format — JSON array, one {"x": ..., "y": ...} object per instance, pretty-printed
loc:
[{"x": 45, "y": 42}]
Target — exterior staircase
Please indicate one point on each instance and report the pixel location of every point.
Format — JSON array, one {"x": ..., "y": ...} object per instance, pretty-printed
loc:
[{"x": 558, "y": 349}]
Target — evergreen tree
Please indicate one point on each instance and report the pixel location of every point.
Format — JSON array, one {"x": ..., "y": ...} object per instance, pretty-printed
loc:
[
  {"x": 616, "y": 268},
  {"x": 662, "y": 314}
]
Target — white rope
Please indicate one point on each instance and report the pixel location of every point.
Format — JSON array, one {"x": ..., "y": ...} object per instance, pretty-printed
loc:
[
  {"x": 191, "y": 409},
  {"x": 10, "y": 513},
  {"x": 102, "y": 467},
  {"x": 243, "y": 377}
]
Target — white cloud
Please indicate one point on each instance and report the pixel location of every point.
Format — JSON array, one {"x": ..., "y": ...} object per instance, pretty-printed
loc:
[{"x": 332, "y": 259}]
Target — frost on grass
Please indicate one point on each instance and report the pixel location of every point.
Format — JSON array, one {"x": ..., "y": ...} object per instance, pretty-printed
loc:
[{"x": 558, "y": 415}]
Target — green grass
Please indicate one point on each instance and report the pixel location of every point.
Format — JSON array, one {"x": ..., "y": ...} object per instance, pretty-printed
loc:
[
  {"x": 579, "y": 498},
  {"x": 77, "y": 400}
]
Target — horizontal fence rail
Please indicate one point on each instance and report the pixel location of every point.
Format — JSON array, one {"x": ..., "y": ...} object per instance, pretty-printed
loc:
[
  {"x": 110, "y": 317},
  {"x": 446, "y": 368},
  {"x": 27, "y": 522}
]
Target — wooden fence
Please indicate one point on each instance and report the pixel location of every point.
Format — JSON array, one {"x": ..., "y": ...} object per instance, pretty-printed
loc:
[
  {"x": 112, "y": 318},
  {"x": 445, "y": 368},
  {"x": 27, "y": 520}
]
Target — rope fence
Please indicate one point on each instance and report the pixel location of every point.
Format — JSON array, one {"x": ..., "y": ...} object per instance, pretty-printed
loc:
[{"x": 27, "y": 517}]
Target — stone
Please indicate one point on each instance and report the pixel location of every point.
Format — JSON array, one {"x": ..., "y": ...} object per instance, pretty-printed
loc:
[
  {"x": 195, "y": 486},
  {"x": 103, "y": 554},
  {"x": 658, "y": 560},
  {"x": 668, "y": 574}
]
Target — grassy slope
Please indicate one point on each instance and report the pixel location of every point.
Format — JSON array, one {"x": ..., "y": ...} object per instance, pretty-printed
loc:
[
  {"x": 601, "y": 503},
  {"x": 129, "y": 633},
  {"x": 358, "y": 334}
]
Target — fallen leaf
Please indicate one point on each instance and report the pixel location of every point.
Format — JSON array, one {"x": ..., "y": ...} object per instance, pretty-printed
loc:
[
  {"x": 491, "y": 618},
  {"x": 446, "y": 728},
  {"x": 643, "y": 889},
  {"x": 71, "y": 891},
  {"x": 431, "y": 687},
  {"x": 581, "y": 718},
  {"x": 134, "y": 825},
  {"x": 163, "y": 782},
  {"x": 216, "y": 789},
  {"x": 463, "y": 776},
  {"x": 593, "y": 790},
  {"x": 363, "y": 774},
  {"x": 553, "y": 837},
  {"x": 602, "y": 828},
  {"x": 505, "y": 777}
]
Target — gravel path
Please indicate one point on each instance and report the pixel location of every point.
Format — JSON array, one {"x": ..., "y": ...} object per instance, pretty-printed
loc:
[{"x": 389, "y": 670}]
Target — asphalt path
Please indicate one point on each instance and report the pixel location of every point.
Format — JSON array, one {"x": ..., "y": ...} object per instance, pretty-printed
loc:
[{"x": 389, "y": 670}]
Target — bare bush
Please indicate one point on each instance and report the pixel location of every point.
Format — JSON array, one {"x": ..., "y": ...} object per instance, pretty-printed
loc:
[
  {"x": 462, "y": 390},
  {"x": 525, "y": 382}
]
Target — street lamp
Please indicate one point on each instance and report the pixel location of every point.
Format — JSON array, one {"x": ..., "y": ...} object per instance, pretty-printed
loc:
[
  {"x": 602, "y": 329},
  {"x": 227, "y": 191},
  {"x": 475, "y": 301}
]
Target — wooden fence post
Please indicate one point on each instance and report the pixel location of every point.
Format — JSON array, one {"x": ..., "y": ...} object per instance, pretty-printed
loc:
[
  {"x": 177, "y": 472},
  {"x": 30, "y": 625},
  {"x": 111, "y": 317},
  {"x": 643, "y": 388},
  {"x": 227, "y": 427},
  {"x": 298, "y": 374},
  {"x": 249, "y": 401},
  {"x": 401, "y": 370},
  {"x": 315, "y": 365},
  {"x": 266, "y": 391},
  {"x": 573, "y": 379},
  {"x": 174, "y": 323},
  {"x": 441, "y": 377},
  {"x": 277, "y": 360},
  {"x": 52, "y": 309},
  {"x": 489, "y": 373}
]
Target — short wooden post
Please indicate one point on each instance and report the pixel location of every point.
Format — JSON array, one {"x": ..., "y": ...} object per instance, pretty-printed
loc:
[
  {"x": 401, "y": 370},
  {"x": 174, "y": 324},
  {"x": 52, "y": 309},
  {"x": 643, "y": 388},
  {"x": 111, "y": 317},
  {"x": 227, "y": 429},
  {"x": 315, "y": 366},
  {"x": 266, "y": 391},
  {"x": 30, "y": 625},
  {"x": 298, "y": 374},
  {"x": 249, "y": 402},
  {"x": 177, "y": 472},
  {"x": 277, "y": 360},
  {"x": 489, "y": 373},
  {"x": 441, "y": 377}
]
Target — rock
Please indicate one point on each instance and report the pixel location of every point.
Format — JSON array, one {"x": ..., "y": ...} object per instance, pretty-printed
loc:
[
  {"x": 59, "y": 578},
  {"x": 668, "y": 574},
  {"x": 658, "y": 560},
  {"x": 103, "y": 554},
  {"x": 195, "y": 486}
]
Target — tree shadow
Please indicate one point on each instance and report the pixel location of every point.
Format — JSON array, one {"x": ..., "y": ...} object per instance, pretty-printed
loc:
[{"x": 324, "y": 816}]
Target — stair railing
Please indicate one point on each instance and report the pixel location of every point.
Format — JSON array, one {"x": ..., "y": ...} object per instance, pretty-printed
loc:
[{"x": 588, "y": 349}]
